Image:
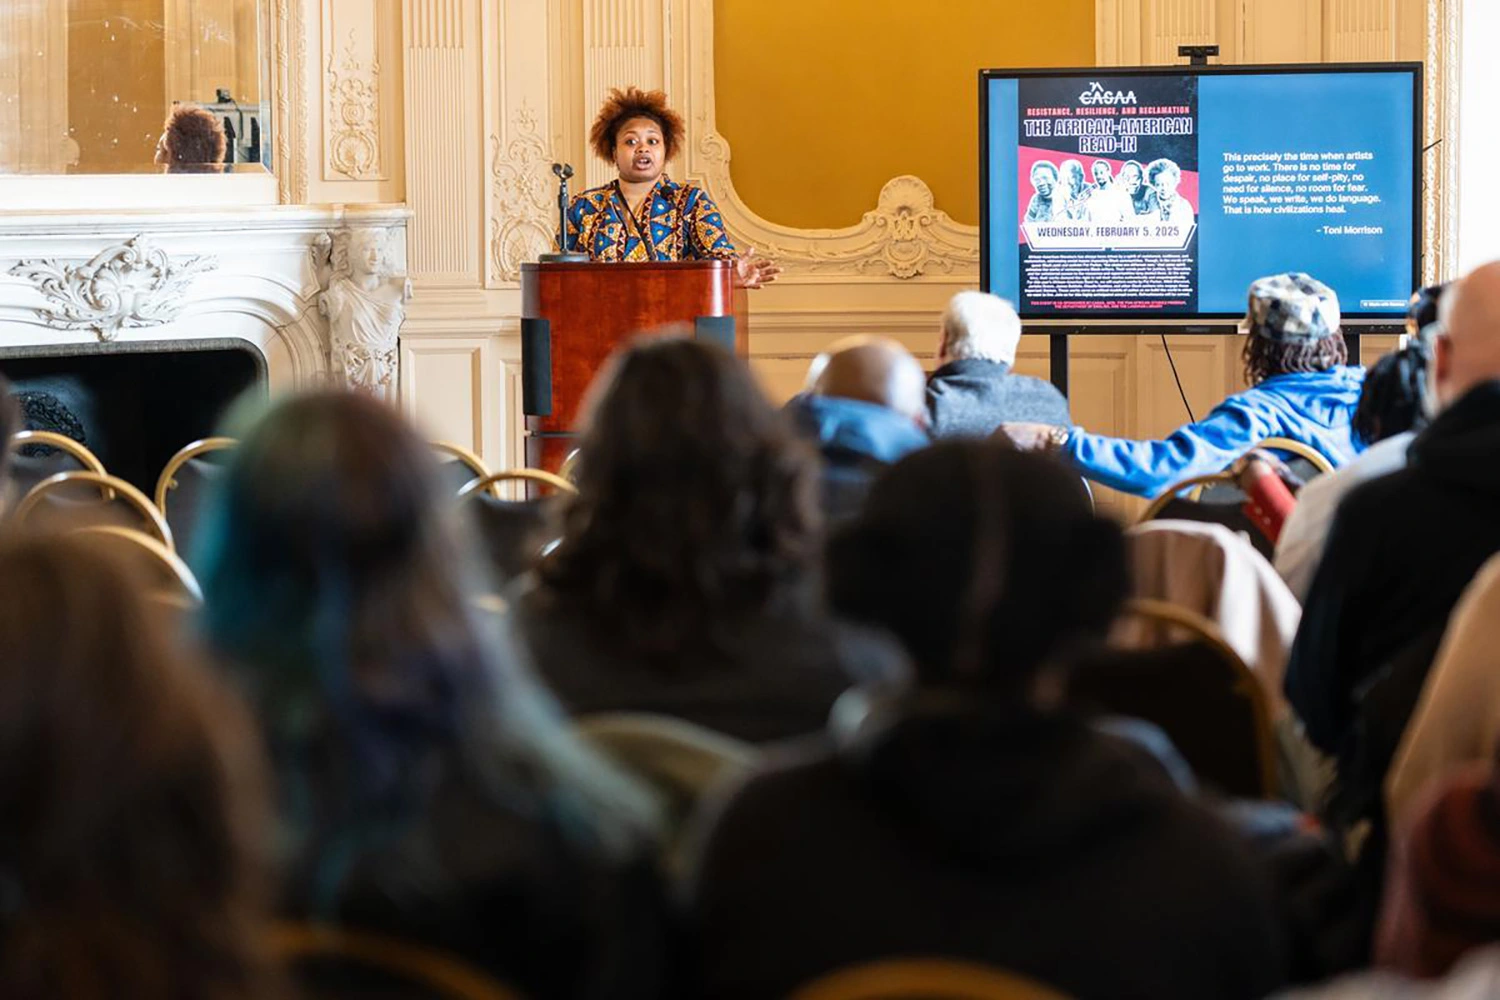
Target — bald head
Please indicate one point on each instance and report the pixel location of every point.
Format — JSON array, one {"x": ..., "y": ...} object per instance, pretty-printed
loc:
[
  {"x": 875, "y": 370},
  {"x": 1469, "y": 351}
]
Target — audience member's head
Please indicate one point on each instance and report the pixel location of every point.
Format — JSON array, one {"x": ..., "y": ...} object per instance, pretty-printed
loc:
[
  {"x": 875, "y": 370},
  {"x": 131, "y": 795},
  {"x": 192, "y": 141},
  {"x": 1293, "y": 323},
  {"x": 335, "y": 582},
  {"x": 1466, "y": 350},
  {"x": 1393, "y": 399},
  {"x": 987, "y": 563},
  {"x": 1422, "y": 311},
  {"x": 696, "y": 501},
  {"x": 981, "y": 326}
]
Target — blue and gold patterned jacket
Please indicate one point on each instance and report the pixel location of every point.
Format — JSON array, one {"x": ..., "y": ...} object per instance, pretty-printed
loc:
[{"x": 681, "y": 220}]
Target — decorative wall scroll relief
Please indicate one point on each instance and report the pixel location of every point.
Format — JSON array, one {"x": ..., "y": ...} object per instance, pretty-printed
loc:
[
  {"x": 127, "y": 286},
  {"x": 524, "y": 219},
  {"x": 353, "y": 112}
]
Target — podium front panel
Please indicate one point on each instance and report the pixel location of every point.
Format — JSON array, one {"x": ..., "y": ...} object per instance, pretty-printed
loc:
[{"x": 592, "y": 309}]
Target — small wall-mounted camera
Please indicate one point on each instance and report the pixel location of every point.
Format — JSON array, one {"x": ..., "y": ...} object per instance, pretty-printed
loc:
[{"x": 1197, "y": 55}]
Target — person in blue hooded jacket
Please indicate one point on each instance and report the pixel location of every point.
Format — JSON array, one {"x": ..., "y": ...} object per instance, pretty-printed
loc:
[
  {"x": 1300, "y": 388},
  {"x": 864, "y": 409}
]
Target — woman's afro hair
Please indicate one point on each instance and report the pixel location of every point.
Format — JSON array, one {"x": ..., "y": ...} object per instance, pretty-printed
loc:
[{"x": 621, "y": 107}]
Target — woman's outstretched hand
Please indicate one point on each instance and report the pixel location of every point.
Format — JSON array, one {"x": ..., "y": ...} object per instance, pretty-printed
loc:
[{"x": 752, "y": 271}]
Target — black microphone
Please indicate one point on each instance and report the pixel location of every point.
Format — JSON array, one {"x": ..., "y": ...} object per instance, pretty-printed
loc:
[{"x": 563, "y": 171}]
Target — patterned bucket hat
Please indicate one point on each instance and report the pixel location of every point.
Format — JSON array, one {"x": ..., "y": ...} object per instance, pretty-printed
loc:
[{"x": 1291, "y": 308}]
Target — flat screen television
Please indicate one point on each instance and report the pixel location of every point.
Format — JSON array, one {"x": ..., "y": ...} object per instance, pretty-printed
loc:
[{"x": 1157, "y": 195}]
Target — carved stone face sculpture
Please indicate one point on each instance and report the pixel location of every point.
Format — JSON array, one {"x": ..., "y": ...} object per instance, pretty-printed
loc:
[{"x": 366, "y": 252}]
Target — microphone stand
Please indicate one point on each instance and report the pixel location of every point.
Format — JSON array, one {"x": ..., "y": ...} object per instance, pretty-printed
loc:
[{"x": 563, "y": 254}]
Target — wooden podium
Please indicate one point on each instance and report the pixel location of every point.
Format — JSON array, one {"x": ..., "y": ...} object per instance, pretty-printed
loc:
[{"x": 574, "y": 315}]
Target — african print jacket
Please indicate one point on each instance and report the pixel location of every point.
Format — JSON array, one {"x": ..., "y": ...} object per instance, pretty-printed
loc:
[{"x": 682, "y": 220}]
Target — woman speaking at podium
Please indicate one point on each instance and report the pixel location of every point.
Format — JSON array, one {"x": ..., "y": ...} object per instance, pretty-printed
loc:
[{"x": 644, "y": 215}]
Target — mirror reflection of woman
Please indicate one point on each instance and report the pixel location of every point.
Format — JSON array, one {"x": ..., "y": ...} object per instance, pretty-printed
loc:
[
  {"x": 644, "y": 215},
  {"x": 192, "y": 142}
]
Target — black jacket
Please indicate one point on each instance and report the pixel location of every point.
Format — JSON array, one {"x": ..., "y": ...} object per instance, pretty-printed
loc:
[
  {"x": 972, "y": 398},
  {"x": 773, "y": 677},
  {"x": 1401, "y": 550},
  {"x": 1026, "y": 842}
]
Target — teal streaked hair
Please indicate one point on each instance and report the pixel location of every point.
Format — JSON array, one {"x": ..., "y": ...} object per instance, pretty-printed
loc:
[{"x": 338, "y": 592}]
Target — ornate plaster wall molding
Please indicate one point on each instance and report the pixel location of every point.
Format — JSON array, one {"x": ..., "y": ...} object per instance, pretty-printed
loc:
[
  {"x": 126, "y": 286},
  {"x": 1443, "y": 59},
  {"x": 905, "y": 236},
  {"x": 289, "y": 78},
  {"x": 522, "y": 221},
  {"x": 353, "y": 114}
]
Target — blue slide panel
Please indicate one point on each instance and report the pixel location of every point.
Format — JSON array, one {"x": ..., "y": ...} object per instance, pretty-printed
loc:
[
  {"x": 1364, "y": 253},
  {"x": 1002, "y": 241}
]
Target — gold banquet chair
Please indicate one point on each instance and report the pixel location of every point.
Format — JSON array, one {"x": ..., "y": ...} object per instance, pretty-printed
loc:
[
  {"x": 74, "y": 449},
  {"x": 515, "y": 533},
  {"x": 28, "y": 470},
  {"x": 176, "y": 583},
  {"x": 464, "y": 462},
  {"x": 493, "y": 479},
  {"x": 335, "y": 963},
  {"x": 1306, "y": 452},
  {"x": 111, "y": 488},
  {"x": 924, "y": 979},
  {"x": 167, "y": 481},
  {"x": 1171, "y": 667},
  {"x": 185, "y": 482},
  {"x": 1193, "y": 487}
]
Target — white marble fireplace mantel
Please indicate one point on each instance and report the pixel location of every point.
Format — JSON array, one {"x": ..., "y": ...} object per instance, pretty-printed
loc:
[{"x": 96, "y": 280}]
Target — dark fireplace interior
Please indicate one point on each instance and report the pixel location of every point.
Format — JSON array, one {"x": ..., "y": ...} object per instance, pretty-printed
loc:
[{"x": 135, "y": 407}]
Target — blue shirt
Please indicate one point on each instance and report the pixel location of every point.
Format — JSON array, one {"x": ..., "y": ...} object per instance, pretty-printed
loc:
[{"x": 1315, "y": 408}]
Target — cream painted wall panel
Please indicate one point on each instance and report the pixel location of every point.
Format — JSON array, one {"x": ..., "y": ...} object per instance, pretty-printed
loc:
[
  {"x": 1359, "y": 30},
  {"x": 623, "y": 44},
  {"x": 1280, "y": 31},
  {"x": 1148, "y": 32},
  {"x": 1103, "y": 382},
  {"x": 357, "y": 127},
  {"x": 1201, "y": 365},
  {"x": 1479, "y": 140},
  {"x": 444, "y": 123},
  {"x": 453, "y": 388}
]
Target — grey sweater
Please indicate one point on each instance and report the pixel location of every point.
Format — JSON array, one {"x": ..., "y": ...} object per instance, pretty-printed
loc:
[{"x": 972, "y": 398}]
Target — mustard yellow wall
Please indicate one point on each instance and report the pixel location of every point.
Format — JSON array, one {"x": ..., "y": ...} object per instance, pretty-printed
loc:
[{"x": 823, "y": 101}]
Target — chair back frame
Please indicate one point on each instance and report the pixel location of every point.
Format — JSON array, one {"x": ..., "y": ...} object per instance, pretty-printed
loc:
[
  {"x": 1195, "y": 484},
  {"x": 109, "y": 486},
  {"x": 167, "y": 481},
  {"x": 925, "y": 978},
  {"x": 466, "y": 458},
  {"x": 163, "y": 555},
  {"x": 446, "y": 974},
  {"x": 510, "y": 475},
  {"x": 1247, "y": 684},
  {"x": 1302, "y": 450},
  {"x": 78, "y": 451}
]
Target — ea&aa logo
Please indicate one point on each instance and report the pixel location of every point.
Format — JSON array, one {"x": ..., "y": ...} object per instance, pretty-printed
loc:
[{"x": 1096, "y": 94}]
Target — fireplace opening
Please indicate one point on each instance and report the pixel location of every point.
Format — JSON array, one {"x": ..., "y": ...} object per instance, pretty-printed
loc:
[{"x": 134, "y": 405}]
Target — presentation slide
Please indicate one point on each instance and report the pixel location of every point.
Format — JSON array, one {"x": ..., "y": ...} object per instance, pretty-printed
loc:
[{"x": 1163, "y": 195}]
